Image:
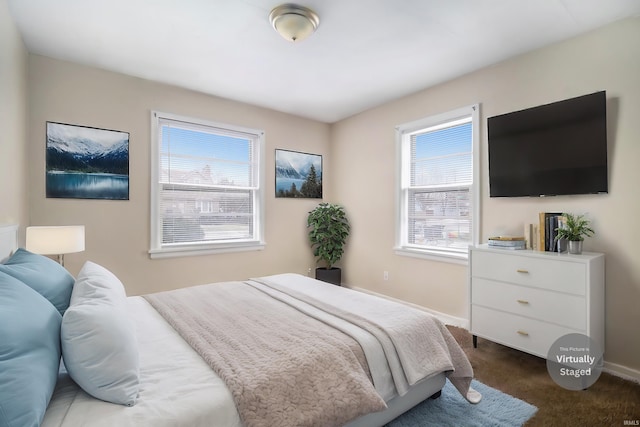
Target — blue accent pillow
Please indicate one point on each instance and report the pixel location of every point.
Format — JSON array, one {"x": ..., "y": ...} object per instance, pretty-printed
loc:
[
  {"x": 29, "y": 353},
  {"x": 42, "y": 274}
]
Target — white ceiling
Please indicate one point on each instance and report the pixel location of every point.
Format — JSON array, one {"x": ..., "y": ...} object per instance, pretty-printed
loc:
[{"x": 365, "y": 52}]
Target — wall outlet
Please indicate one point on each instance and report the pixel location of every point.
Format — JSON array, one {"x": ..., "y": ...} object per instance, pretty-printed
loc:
[
  {"x": 385, "y": 275},
  {"x": 309, "y": 272}
]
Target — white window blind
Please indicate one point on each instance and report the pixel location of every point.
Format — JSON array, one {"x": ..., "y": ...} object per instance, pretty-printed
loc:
[
  {"x": 208, "y": 192},
  {"x": 436, "y": 206}
]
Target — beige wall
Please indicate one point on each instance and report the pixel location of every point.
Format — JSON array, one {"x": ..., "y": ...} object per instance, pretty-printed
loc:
[
  {"x": 358, "y": 160},
  {"x": 117, "y": 232},
  {"x": 13, "y": 122},
  {"x": 363, "y": 167}
]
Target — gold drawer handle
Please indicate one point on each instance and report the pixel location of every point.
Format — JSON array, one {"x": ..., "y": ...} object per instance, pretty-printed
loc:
[
  {"x": 521, "y": 301},
  {"x": 523, "y": 333},
  {"x": 522, "y": 271}
]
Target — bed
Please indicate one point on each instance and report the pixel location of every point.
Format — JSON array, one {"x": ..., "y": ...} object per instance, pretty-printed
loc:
[{"x": 189, "y": 358}]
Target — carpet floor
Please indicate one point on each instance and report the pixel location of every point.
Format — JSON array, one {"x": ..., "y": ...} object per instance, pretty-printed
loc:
[{"x": 611, "y": 401}]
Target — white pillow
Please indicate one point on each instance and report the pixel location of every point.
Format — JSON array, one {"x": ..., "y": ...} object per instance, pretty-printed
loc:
[{"x": 99, "y": 345}]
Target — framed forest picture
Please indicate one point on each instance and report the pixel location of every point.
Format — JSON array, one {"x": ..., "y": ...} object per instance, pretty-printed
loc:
[{"x": 298, "y": 175}]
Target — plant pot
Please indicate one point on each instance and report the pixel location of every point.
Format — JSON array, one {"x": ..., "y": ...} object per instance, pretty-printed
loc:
[
  {"x": 331, "y": 275},
  {"x": 575, "y": 247}
]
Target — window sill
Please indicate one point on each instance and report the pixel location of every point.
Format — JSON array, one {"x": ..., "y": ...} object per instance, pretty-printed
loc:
[
  {"x": 461, "y": 258},
  {"x": 184, "y": 251}
]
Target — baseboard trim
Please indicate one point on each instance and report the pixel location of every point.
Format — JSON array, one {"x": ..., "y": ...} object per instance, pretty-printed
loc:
[
  {"x": 622, "y": 372},
  {"x": 447, "y": 319}
]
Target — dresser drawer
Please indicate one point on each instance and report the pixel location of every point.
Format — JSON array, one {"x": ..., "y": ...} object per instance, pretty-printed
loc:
[
  {"x": 553, "y": 307},
  {"x": 531, "y": 336},
  {"x": 545, "y": 273}
]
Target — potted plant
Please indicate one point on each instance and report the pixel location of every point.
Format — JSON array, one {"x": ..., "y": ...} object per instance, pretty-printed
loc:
[
  {"x": 328, "y": 231},
  {"x": 574, "y": 229}
]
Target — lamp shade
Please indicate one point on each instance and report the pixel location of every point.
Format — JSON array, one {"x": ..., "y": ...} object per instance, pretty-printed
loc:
[{"x": 55, "y": 240}]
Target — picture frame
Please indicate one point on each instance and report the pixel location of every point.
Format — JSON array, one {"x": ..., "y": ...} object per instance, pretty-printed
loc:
[
  {"x": 86, "y": 162},
  {"x": 298, "y": 175}
]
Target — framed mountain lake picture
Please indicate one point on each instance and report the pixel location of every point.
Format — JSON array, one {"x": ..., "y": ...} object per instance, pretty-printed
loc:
[
  {"x": 86, "y": 162},
  {"x": 298, "y": 175}
]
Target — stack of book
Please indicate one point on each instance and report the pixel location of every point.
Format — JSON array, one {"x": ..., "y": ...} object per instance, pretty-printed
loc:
[{"x": 508, "y": 242}]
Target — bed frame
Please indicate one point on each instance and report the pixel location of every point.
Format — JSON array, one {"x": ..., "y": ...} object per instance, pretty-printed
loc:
[
  {"x": 8, "y": 240},
  {"x": 429, "y": 387}
]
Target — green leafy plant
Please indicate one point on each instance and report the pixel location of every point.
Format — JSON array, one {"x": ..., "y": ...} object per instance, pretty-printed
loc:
[
  {"x": 328, "y": 231},
  {"x": 575, "y": 228}
]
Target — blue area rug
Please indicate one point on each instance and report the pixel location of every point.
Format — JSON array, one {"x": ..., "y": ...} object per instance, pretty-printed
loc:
[{"x": 451, "y": 409}]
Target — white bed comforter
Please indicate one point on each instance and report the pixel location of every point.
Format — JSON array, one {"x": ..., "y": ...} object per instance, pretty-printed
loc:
[
  {"x": 179, "y": 388},
  {"x": 282, "y": 367}
]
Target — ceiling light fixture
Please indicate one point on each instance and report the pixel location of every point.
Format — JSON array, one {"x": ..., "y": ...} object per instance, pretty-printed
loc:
[{"x": 294, "y": 22}]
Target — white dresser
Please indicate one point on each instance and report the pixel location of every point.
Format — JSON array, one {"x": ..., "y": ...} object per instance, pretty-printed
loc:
[{"x": 527, "y": 299}]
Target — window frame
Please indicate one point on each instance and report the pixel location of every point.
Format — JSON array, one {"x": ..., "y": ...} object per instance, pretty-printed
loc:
[
  {"x": 157, "y": 249},
  {"x": 403, "y": 152}
]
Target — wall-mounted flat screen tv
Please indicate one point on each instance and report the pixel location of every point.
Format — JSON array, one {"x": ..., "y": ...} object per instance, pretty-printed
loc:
[{"x": 553, "y": 149}]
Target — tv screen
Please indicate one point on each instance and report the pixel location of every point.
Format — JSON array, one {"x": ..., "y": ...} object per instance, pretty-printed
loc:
[{"x": 552, "y": 149}]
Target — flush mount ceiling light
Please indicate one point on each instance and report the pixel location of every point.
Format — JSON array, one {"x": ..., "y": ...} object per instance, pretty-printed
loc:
[{"x": 294, "y": 22}]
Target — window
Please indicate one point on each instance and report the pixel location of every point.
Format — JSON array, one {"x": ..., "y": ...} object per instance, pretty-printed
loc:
[
  {"x": 207, "y": 191},
  {"x": 438, "y": 192}
]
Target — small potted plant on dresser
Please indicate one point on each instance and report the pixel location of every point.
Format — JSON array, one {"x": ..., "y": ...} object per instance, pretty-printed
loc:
[
  {"x": 574, "y": 230},
  {"x": 328, "y": 231}
]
